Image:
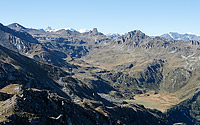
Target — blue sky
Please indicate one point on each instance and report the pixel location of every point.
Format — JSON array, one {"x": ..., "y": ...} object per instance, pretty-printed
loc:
[{"x": 153, "y": 17}]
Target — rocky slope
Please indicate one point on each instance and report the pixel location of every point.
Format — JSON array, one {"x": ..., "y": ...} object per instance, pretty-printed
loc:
[
  {"x": 49, "y": 108},
  {"x": 101, "y": 75},
  {"x": 26, "y": 96},
  {"x": 17, "y": 41},
  {"x": 187, "y": 111}
]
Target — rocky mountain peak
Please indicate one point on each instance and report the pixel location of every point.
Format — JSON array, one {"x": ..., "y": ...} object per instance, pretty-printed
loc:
[
  {"x": 70, "y": 29},
  {"x": 133, "y": 35},
  {"x": 136, "y": 33},
  {"x": 95, "y": 30},
  {"x": 48, "y": 29},
  {"x": 114, "y": 35},
  {"x": 133, "y": 38},
  {"x": 16, "y": 26}
]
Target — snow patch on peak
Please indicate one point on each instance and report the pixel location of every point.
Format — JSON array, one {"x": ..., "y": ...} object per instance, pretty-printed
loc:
[
  {"x": 170, "y": 34},
  {"x": 190, "y": 33},
  {"x": 115, "y": 35},
  {"x": 49, "y": 29},
  {"x": 17, "y": 25},
  {"x": 83, "y": 30},
  {"x": 182, "y": 36},
  {"x": 69, "y": 28}
]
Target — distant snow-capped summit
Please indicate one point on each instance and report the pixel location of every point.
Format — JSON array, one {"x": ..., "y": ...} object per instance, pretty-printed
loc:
[
  {"x": 49, "y": 29},
  {"x": 185, "y": 37},
  {"x": 69, "y": 28},
  {"x": 115, "y": 35},
  {"x": 83, "y": 30}
]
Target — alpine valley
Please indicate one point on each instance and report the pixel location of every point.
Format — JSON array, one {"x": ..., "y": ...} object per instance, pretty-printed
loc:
[{"x": 70, "y": 77}]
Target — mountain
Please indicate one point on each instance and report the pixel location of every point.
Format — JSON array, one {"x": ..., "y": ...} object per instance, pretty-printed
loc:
[
  {"x": 24, "y": 43},
  {"x": 15, "y": 40},
  {"x": 49, "y": 29},
  {"x": 177, "y": 36},
  {"x": 16, "y": 26},
  {"x": 92, "y": 78},
  {"x": 36, "y": 92},
  {"x": 145, "y": 69},
  {"x": 68, "y": 28},
  {"x": 114, "y": 35}
]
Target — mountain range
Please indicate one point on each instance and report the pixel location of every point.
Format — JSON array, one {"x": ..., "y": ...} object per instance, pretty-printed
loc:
[
  {"x": 70, "y": 77},
  {"x": 170, "y": 35},
  {"x": 49, "y": 29},
  {"x": 185, "y": 37}
]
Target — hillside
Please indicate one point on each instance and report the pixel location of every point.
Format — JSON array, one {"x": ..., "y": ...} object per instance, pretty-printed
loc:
[{"x": 103, "y": 78}]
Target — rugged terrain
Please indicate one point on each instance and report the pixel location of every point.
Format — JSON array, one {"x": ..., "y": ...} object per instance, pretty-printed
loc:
[
  {"x": 97, "y": 79},
  {"x": 185, "y": 37}
]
